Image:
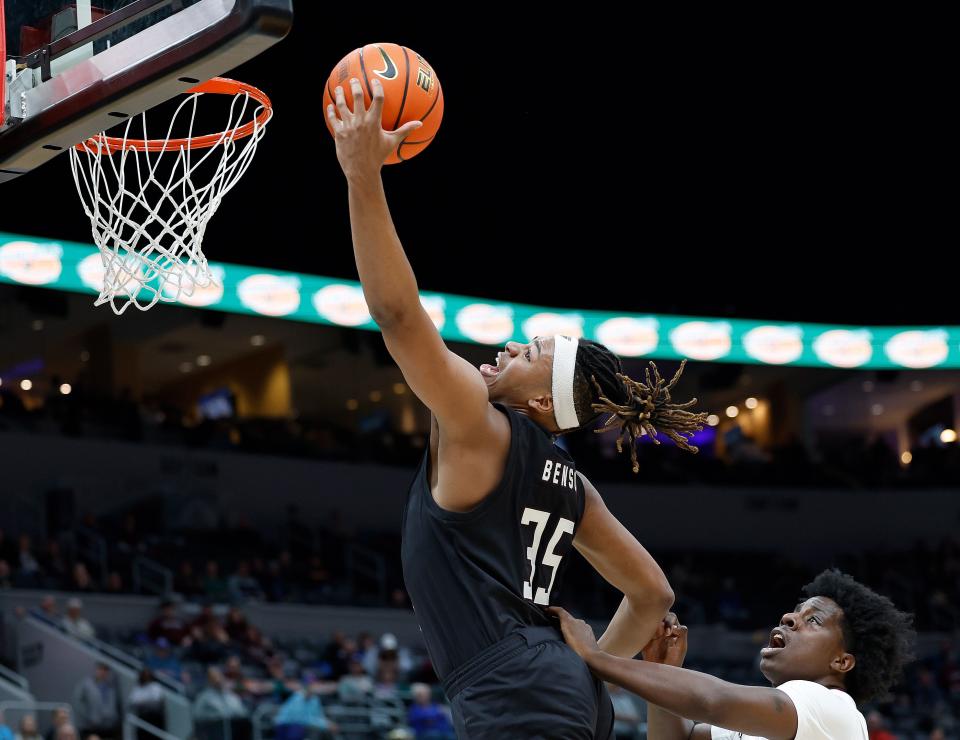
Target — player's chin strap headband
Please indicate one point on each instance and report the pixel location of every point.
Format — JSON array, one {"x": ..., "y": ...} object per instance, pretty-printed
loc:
[{"x": 564, "y": 363}]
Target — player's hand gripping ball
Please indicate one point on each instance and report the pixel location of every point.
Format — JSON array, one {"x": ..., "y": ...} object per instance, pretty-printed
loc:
[{"x": 411, "y": 92}]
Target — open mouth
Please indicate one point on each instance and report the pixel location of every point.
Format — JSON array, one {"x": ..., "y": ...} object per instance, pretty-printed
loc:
[
  {"x": 778, "y": 641},
  {"x": 491, "y": 371}
]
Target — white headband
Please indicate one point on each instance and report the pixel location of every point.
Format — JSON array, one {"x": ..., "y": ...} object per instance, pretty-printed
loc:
[{"x": 564, "y": 362}]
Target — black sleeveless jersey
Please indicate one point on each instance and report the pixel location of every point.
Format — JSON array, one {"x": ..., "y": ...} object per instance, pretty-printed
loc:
[{"x": 476, "y": 577}]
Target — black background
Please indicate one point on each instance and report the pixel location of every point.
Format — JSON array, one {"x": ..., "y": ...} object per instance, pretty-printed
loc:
[{"x": 753, "y": 167}]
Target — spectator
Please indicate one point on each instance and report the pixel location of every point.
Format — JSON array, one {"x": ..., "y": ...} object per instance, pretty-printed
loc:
[
  {"x": 389, "y": 651},
  {"x": 5, "y": 732},
  {"x": 216, "y": 704},
  {"x": 80, "y": 579},
  {"x": 55, "y": 565},
  {"x": 28, "y": 567},
  {"x": 356, "y": 685},
  {"x": 66, "y": 732},
  {"x": 163, "y": 660},
  {"x": 74, "y": 622},
  {"x": 214, "y": 585},
  {"x": 237, "y": 627},
  {"x": 48, "y": 608},
  {"x": 170, "y": 626},
  {"x": 876, "y": 727},
  {"x": 233, "y": 672},
  {"x": 28, "y": 729},
  {"x": 209, "y": 637},
  {"x": 338, "y": 654},
  {"x": 114, "y": 583},
  {"x": 427, "y": 718},
  {"x": 6, "y": 577},
  {"x": 298, "y": 715},
  {"x": 146, "y": 700},
  {"x": 242, "y": 586},
  {"x": 59, "y": 718},
  {"x": 626, "y": 723},
  {"x": 97, "y": 704},
  {"x": 186, "y": 581}
]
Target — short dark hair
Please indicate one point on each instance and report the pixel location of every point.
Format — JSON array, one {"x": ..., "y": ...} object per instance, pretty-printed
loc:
[{"x": 875, "y": 632}]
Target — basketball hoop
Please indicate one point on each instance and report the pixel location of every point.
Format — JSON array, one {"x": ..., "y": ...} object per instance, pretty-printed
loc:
[{"x": 149, "y": 200}]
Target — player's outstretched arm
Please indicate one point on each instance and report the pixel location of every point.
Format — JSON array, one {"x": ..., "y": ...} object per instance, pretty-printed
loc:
[
  {"x": 446, "y": 383},
  {"x": 768, "y": 713},
  {"x": 626, "y": 565}
]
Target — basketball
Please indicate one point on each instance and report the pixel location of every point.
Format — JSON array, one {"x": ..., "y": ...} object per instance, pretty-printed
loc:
[{"x": 410, "y": 86}]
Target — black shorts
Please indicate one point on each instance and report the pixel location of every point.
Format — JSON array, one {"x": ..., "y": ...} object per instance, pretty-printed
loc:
[{"x": 529, "y": 686}]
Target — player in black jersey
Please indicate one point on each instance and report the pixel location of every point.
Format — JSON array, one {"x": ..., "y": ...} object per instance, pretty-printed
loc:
[{"x": 496, "y": 505}]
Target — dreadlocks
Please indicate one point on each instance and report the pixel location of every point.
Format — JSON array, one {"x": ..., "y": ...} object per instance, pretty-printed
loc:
[{"x": 635, "y": 408}]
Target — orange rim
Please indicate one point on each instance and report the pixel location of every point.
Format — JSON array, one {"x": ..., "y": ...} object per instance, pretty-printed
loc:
[{"x": 217, "y": 86}]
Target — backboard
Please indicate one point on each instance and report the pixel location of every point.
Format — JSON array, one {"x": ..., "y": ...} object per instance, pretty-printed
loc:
[{"x": 73, "y": 69}]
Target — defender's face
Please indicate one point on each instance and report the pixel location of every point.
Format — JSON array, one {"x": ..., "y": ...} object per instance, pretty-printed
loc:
[{"x": 805, "y": 644}]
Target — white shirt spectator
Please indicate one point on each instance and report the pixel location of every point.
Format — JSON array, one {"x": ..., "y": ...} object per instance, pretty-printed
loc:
[
  {"x": 822, "y": 714},
  {"x": 148, "y": 696},
  {"x": 75, "y": 624},
  {"x": 79, "y": 627},
  {"x": 218, "y": 704}
]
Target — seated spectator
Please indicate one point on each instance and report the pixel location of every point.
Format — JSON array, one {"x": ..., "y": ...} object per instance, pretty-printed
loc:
[
  {"x": 48, "y": 608},
  {"x": 147, "y": 701},
  {"x": 28, "y": 729},
  {"x": 67, "y": 732},
  {"x": 5, "y": 732},
  {"x": 387, "y": 682},
  {"x": 427, "y": 718},
  {"x": 389, "y": 651},
  {"x": 6, "y": 575},
  {"x": 876, "y": 727},
  {"x": 214, "y": 585},
  {"x": 75, "y": 623},
  {"x": 97, "y": 703},
  {"x": 298, "y": 715},
  {"x": 162, "y": 660},
  {"x": 28, "y": 567},
  {"x": 216, "y": 704},
  {"x": 80, "y": 579},
  {"x": 209, "y": 637},
  {"x": 55, "y": 566},
  {"x": 114, "y": 583},
  {"x": 186, "y": 582},
  {"x": 169, "y": 625},
  {"x": 340, "y": 650},
  {"x": 237, "y": 627},
  {"x": 233, "y": 672},
  {"x": 59, "y": 718},
  {"x": 242, "y": 586},
  {"x": 356, "y": 685}
]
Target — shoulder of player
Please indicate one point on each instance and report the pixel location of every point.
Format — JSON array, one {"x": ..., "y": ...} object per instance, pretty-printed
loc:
[{"x": 810, "y": 696}]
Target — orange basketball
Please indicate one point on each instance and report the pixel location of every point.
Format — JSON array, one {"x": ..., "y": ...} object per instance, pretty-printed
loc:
[{"x": 411, "y": 92}]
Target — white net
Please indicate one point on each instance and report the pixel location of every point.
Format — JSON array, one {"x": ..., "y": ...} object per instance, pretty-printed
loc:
[{"x": 149, "y": 202}]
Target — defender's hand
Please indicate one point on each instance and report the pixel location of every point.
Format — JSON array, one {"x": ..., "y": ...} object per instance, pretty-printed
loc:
[{"x": 578, "y": 634}]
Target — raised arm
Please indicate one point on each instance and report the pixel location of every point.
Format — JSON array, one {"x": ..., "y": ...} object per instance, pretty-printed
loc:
[
  {"x": 624, "y": 563},
  {"x": 767, "y": 713},
  {"x": 449, "y": 386}
]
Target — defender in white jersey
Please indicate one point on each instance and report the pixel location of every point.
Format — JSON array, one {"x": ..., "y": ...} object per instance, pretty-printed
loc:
[{"x": 843, "y": 645}]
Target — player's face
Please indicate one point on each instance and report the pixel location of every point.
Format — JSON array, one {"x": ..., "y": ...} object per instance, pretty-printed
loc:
[
  {"x": 806, "y": 645},
  {"x": 521, "y": 372}
]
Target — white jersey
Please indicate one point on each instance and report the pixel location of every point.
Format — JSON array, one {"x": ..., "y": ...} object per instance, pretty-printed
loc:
[{"x": 822, "y": 714}]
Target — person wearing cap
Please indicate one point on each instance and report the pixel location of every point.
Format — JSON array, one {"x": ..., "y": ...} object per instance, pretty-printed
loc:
[
  {"x": 74, "y": 623},
  {"x": 497, "y": 506},
  {"x": 388, "y": 651}
]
